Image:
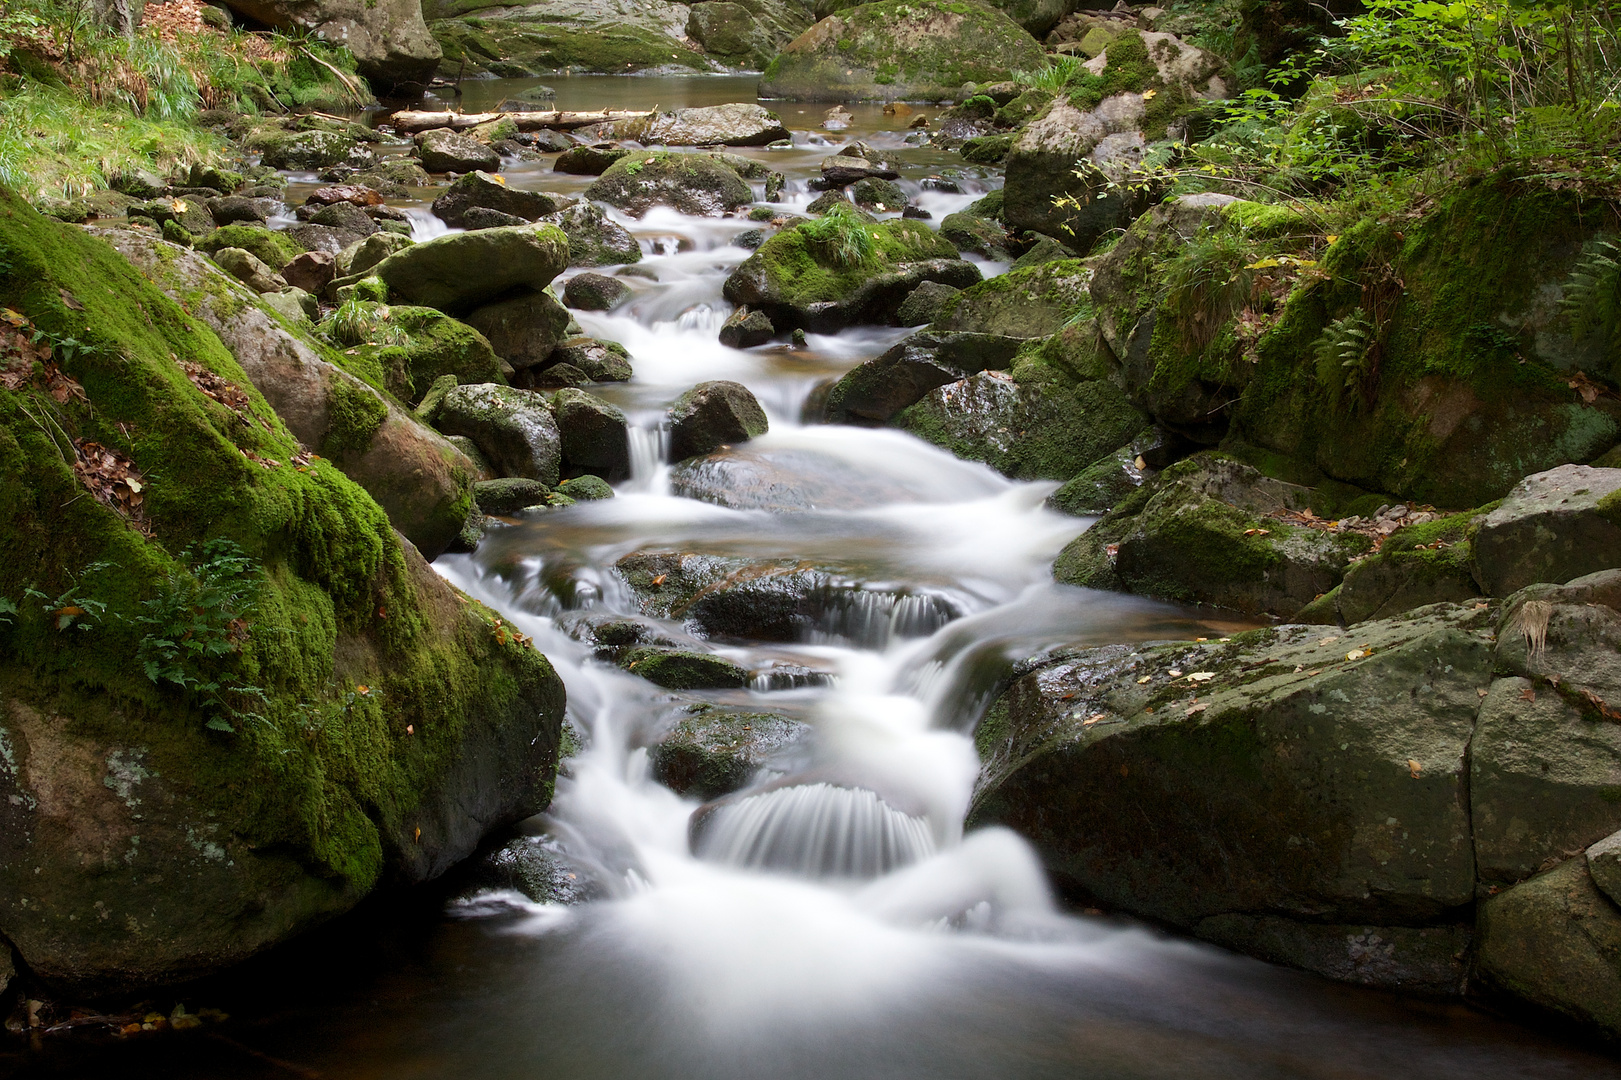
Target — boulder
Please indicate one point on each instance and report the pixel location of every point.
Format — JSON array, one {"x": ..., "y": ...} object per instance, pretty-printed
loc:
[
  {"x": 420, "y": 480},
  {"x": 274, "y": 249},
  {"x": 594, "y": 436},
  {"x": 1543, "y": 777},
  {"x": 843, "y": 169},
  {"x": 389, "y": 39},
  {"x": 696, "y": 184},
  {"x": 1100, "y": 487},
  {"x": 312, "y": 271},
  {"x": 1200, "y": 532},
  {"x": 713, "y": 414},
  {"x": 1554, "y": 526},
  {"x": 745, "y": 329},
  {"x": 1287, "y": 773},
  {"x": 1555, "y": 941},
  {"x": 234, "y": 209},
  {"x": 1604, "y": 865},
  {"x": 294, "y": 304},
  {"x": 313, "y": 237},
  {"x": 923, "y": 303},
  {"x": 509, "y": 494},
  {"x": 481, "y": 189},
  {"x": 1568, "y": 637},
  {"x": 345, "y": 217},
  {"x": 443, "y": 150},
  {"x": 873, "y": 392},
  {"x": 363, "y": 257},
  {"x": 684, "y": 669},
  {"x": 428, "y": 345},
  {"x": 306, "y": 151},
  {"x": 1051, "y": 416},
  {"x": 587, "y": 488},
  {"x": 596, "y": 361},
  {"x": 713, "y": 750},
  {"x": 435, "y": 731},
  {"x": 190, "y": 215},
  {"x": 595, "y": 292},
  {"x": 741, "y": 124},
  {"x": 359, "y": 194},
  {"x": 1428, "y": 960},
  {"x": 820, "y": 277},
  {"x": 482, "y": 217},
  {"x": 1416, "y": 566},
  {"x": 523, "y": 331},
  {"x": 1029, "y": 303},
  {"x": 461, "y": 273},
  {"x": 587, "y": 160},
  {"x": 249, "y": 271},
  {"x": 900, "y": 50},
  {"x": 1044, "y": 190},
  {"x": 594, "y": 240},
  {"x": 878, "y": 195},
  {"x": 515, "y": 428}
]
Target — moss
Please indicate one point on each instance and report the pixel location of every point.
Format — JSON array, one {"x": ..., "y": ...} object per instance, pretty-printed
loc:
[
  {"x": 804, "y": 272},
  {"x": 678, "y": 669},
  {"x": 1129, "y": 70},
  {"x": 1266, "y": 219},
  {"x": 273, "y": 248},
  {"x": 513, "y": 48},
  {"x": 987, "y": 149},
  {"x": 325, "y": 773},
  {"x": 356, "y": 415},
  {"x": 437, "y": 345},
  {"x": 1033, "y": 302}
]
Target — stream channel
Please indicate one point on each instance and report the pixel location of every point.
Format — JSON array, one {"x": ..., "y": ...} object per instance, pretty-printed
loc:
[{"x": 837, "y": 924}]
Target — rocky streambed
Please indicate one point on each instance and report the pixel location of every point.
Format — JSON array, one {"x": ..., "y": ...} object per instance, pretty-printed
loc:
[{"x": 770, "y": 429}]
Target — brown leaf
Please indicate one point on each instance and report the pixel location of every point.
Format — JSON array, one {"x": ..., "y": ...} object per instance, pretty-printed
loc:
[
  {"x": 70, "y": 300},
  {"x": 1415, "y": 769},
  {"x": 1528, "y": 694}
]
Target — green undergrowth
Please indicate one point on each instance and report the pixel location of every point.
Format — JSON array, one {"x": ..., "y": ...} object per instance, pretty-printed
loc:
[
  {"x": 325, "y": 640},
  {"x": 816, "y": 262}
]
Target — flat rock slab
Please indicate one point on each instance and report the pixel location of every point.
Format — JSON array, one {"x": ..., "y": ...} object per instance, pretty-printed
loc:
[{"x": 1554, "y": 526}]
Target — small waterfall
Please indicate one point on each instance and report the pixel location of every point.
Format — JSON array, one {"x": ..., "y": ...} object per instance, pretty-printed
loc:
[
  {"x": 813, "y": 830},
  {"x": 648, "y": 449},
  {"x": 426, "y": 226},
  {"x": 872, "y": 619}
]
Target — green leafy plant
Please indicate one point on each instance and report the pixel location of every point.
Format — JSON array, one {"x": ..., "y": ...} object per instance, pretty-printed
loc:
[
  {"x": 1060, "y": 71},
  {"x": 76, "y": 606},
  {"x": 1344, "y": 351},
  {"x": 362, "y": 322},
  {"x": 841, "y": 236},
  {"x": 1592, "y": 293}
]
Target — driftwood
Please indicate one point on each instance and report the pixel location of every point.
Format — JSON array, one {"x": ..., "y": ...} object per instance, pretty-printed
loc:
[{"x": 409, "y": 122}]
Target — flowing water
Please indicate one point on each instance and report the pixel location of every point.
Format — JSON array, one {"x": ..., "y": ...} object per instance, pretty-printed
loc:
[{"x": 833, "y": 920}]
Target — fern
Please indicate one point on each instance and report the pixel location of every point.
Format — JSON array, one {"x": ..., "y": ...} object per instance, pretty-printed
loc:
[
  {"x": 1592, "y": 293},
  {"x": 1343, "y": 351}
]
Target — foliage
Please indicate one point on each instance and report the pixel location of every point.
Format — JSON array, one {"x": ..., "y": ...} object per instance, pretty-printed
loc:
[
  {"x": 1060, "y": 71},
  {"x": 841, "y": 236},
  {"x": 362, "y": 322},
  {"x": 1343, "y": 351},
  {"x": 76, "y": 606},
  {"x": 1592, "y": 293}
]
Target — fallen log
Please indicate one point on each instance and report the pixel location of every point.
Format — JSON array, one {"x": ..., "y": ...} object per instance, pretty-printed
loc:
[{"x": 409, "y": 122}]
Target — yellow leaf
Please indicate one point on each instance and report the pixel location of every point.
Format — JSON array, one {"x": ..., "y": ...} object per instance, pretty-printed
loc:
[
  {"x": 1145, "y": 678},
  {"x": 1148, "y": 95},
  {"x": 1414, "y": 768},
  {"x": 1201, "y": 676},
  {"x": 1331, "y": 239},
  {"x": 499, "y": 180},
  {"x": 1356, "y": 654}
]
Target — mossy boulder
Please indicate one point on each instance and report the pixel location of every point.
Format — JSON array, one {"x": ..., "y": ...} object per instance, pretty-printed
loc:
[
  {"x": 436, "y": 345},
  {"x": 481, "y": 189},
  {"x": 525, "y": 330},
  {"x": 509, "y": 494},
  {"x": 731, "y": 33},
  {"x": 972, "y": 232},
  {"x": 310, "y": 150},
  {"x": 365, "y": 724},
  {"x": 588, "y": 160},
  {"x": 595, "y": 436},
  {"x": 816, "y": 276},
  {"x": 713, "y": 750},
  {"x": 603, "y": 39},
  {"x": 337, "y": 408},
  {"x": 443, "y": 150},
  {"x": 1051, "y": 416},
  {"x": 696, "y": 184},
  {"x": 593, "y": 239},
  {"x": 684, "y": 669},
  {"x": 1100, "y": 487},
  {"x": 901, "y": 50},
  {"x": 388, "y": 39},
  {"x": 515, "y": 428},
  {"x": 1030, "y": 303},
  {"x": 1284, "y": 773},
  {"x": 461, "y": 273},
  {"x": 873, "y": 392},
  {"x": 1201, "y": 533}
]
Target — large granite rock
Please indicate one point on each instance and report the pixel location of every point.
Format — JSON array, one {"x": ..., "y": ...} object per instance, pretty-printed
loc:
[
  {"x": 459, "y": 273},
  {"x": 481, "y": 189},
  {"x": 514, "y": 428},
  {"x": 714, "y": 414},
  {"x": 1554, "y": 526},
  {"x": 740, "y": 124},
  {"x": 389, "y": 39},
  {"x": 697, "y": 184}
]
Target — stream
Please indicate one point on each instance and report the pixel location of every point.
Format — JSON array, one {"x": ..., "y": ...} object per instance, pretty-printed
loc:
[{"x": 836, "y": 920}]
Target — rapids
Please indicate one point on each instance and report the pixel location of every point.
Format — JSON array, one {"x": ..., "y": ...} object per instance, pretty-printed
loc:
[{"x": 833, "y": 921}]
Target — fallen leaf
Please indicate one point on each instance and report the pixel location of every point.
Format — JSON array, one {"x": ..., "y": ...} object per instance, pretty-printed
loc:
[
  {"x": 1094, "y": 718},
  {"x": 660, "y": 579},
  {"x": 1356, "y": 654},
  {"x": 1201, "y": 676},
  {"x": 70, "y": 300},
  {"x": 1175, "y": 674},
  {"x": 1196, "y": 708},
  {"x": 1481, "y": 691},
  {"x": 1528, "y": 694},
  {"x": 417, "y": 839},
  {"x": 410, "y": 729},
  {"x": 1414, "y": 768},
  {"x": 1145, "y": 678},
  {"x": 1328, "y": 641},
  {"x": 1148, "y": 95}
]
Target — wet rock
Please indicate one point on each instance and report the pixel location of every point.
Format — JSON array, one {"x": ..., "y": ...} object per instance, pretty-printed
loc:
[
  {"x": 594, "y": 240},
  {"x": 1419, "y": 960},
  {"x": 479, "y": 217},
  {"x": 535, "y": 866},
  {"x": 311, "y": 150},
  {"x": 463, "y": 272},
  {"x": 359, "y": 194},
  {"x": 1399, "y": 578},
  {"x": 514, "y": 428},
  {"x": 1100, "y": 487},
  {"x": 233, "y": 210},
  {"x": 587, "y": 160},
  {"x": 595, "y": 292},
  {"x": 594, "y": 437},
  {"x": 923, "y": 303},
  {"x": 683, "y": 669},
  {"x": 363, "y": 257},
  {"x": 249, "y": 271},
  {"x": 345, "y": 217},
  {"x": 596, "y": 361},
  {"x": 713, "y": 414},
  {"x": 737, "y": 124},
  {"x": 1554, "y": 526},
  {"x": 1041, "y": 169},
  {"x": 980, "y": 235},
  {"x": 809, "y": 277},
  {"x": 312, "y": 271},
  {"x": 523, "y": 331},
  {"x": 1555, "y": 941},
  {"x": 694, "y": 184},
  {"x": 294, "y": 305},
  {"x": 878, "y": 195},
  {"x": 731, "y": 33},
  {"x": 394, "y": 176},
  {"x": 1034, "y": 302},
  {"x": 1287, "y": 773},
  {"x": 483, "y": 190},
  {"x": 443, "y": 150},
  {"x": 875, "y": 391},
  {"x": 430, "y": 346},
  {"x": 1199, "y": 533},
  {"x": 509, "y": 494},
  {"x": 713, "y": 751},
  {"x": 894, "y": 51},
  {"x": 841, "y": 170},
  {"x": 745, "y": 329},
  {"x": 190, "y": 214}
]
